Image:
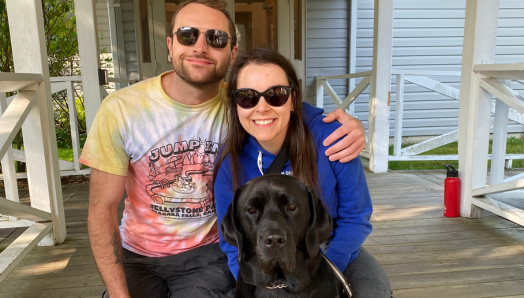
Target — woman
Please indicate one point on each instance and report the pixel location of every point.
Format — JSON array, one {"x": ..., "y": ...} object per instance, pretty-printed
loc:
[{"x": 265, "y": 112}]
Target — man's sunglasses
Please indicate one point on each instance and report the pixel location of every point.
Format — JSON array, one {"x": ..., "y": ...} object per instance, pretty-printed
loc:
[
  {"x": 188, "y": 36},
  {"x": 275, "y": 96}
]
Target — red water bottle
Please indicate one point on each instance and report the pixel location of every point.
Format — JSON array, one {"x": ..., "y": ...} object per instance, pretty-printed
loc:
[{"x": 451, "y": 193}]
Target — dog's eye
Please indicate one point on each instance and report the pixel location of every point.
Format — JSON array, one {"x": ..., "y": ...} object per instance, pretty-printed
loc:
[
  {"x": 291, "y": 207},
  {"x": 251, "y": 210}
]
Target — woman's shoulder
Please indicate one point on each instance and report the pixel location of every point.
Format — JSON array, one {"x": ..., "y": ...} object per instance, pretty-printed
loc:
[
  {"x": 321, "y": 130},
  {"x": 223, "y": 165}
]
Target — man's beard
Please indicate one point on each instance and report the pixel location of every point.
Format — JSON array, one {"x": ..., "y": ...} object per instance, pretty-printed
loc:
[{"x": 213, "y": 76}]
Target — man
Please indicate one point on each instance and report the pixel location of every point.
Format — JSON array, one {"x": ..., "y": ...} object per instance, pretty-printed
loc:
[{"x": 158, "y": 140}]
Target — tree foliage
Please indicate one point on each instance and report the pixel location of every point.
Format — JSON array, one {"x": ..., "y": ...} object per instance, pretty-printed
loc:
[
  {"x": 6, "y": 53},
  {"x": 62, "y": 49}
]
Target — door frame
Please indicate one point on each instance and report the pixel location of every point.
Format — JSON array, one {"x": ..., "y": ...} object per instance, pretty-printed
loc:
[
  {"x": 157, "y": 40},
  {"x": 286, "y": 44}
]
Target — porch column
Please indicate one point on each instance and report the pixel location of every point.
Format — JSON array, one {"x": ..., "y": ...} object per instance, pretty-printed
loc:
[
  {"x": 480, "y": 36},
  {"x": 26, "y": 26},
  {"x": 378, "y": 119},
  {"x": 87, "y": 32}
]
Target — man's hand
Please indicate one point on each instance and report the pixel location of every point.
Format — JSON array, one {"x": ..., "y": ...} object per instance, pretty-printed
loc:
[{"x": 354, "y": 141}]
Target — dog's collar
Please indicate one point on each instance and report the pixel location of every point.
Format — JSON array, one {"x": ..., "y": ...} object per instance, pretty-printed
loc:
[
  {"x": 279, "y": 286},
  {"x": 338, "y": 274},
  {"x": 340, "y": 277}
]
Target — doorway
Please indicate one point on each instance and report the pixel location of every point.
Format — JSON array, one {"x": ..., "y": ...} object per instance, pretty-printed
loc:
[
  {"x": 274, "y": 24},
  {"x": 154, "y": 18},
  {"x": 257, "y": 24}
]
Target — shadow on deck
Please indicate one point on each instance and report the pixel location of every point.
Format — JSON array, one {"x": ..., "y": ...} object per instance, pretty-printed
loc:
[{"x": 424, "y": 253}]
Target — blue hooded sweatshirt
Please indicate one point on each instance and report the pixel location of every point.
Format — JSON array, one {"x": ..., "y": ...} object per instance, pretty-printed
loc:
[{"x": 344, "y": 190}]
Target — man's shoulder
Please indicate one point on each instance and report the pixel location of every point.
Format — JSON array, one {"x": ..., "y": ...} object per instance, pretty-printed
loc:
[{"x": 131, "y": 95}]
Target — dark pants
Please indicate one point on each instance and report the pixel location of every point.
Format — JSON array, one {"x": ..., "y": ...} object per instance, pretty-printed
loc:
[
  {"x": 367, "y": 278},
  {"x": 203, "y": 272},
  {"x": 200, "y": 272}
]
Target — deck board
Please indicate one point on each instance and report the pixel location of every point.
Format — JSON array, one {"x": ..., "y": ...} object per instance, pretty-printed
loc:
[
  {"x": 428, "y": 255},
  {"x": 423, "y": 253}
]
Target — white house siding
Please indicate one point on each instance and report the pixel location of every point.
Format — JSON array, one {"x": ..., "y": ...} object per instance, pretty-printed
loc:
[
  {"x": 327, "y": 42},
  {"x": 427, "y": 35},
  {"x": 128, "y": 23}
]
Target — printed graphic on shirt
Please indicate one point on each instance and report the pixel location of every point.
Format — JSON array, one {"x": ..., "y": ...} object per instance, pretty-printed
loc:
[{"x": 181, "y": 179}]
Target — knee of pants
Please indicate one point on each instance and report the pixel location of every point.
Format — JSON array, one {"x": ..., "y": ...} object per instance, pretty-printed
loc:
[{"x": 367, "y": 277}]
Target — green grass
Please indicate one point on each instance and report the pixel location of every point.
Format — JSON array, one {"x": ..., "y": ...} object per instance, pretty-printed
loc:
[
  {"x": 65, "y": 154},
  {"x": 514, "y": 145}
]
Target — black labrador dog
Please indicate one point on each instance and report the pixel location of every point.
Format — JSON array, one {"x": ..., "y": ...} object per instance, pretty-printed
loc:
[{"x": 277, "y": 223}]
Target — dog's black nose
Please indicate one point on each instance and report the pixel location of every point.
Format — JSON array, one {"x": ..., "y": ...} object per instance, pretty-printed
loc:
[{"x": 274, "y": 239}]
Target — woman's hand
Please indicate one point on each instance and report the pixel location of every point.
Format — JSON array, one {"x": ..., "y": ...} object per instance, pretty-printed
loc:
[{"x": 354, "y": 140}]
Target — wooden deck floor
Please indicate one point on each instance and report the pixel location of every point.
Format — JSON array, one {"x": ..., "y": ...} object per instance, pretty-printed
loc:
[{"x": 424, "y": 254}]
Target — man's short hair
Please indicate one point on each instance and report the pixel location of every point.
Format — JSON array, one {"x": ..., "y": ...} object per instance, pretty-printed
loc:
[{"x": 215, "y": 4}]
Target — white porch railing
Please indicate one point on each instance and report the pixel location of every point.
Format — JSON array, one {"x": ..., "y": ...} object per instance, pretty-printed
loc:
[
  {"x": 121, "y": 81},
  {"x": 420, "y": 78},
  {"x": 508, "y": 103},
  {"x": 59, "y": 84},
  {"x": 322, "y": 84},
  {"x": 45, "y": 212}
]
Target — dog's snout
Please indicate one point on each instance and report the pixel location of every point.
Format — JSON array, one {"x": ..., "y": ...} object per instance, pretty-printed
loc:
[{"x": 274, "y": 239}]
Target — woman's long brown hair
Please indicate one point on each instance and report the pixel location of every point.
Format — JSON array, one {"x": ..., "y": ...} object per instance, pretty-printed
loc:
[{"x": 302, "y": 152}]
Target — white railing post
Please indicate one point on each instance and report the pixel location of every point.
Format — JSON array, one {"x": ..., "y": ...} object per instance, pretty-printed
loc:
[
  {"x": 320, "y": 94},
  {"x": 8, "y": 164},
  {"x": 399, "y": 111},
  {"x": 500, "y": 135},
  {"x": 378, "y": 119},
  {"x": 352, "y": 47},
  {"x": 509, "y": 164},
  {"x": 351, "y": 108},
  {"x": 75, "y": 138},
  {"x": 480, "y": 34}
]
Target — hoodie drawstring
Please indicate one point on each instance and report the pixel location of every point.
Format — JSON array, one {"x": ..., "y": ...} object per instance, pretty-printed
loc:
[{"x": 259, "y": 162}]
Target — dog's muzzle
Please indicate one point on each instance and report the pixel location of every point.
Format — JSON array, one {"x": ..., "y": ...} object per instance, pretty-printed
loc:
[
  {"x": 275, "y": 247},
  {"x": 274, "y": 239}
]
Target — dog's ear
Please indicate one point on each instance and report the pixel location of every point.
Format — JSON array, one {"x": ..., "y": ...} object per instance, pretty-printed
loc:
[
  {"x": 320, "y": 224},
  {"x": 230, "y": 225}
]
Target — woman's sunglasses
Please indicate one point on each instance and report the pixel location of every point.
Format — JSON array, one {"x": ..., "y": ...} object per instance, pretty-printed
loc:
[
  {"x": 188, "y": 36},
  {"x": 275, "y": 96}
]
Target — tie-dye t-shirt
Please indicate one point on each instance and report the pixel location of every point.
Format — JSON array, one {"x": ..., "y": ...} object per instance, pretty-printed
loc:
[{"x": 167, "y": 151}]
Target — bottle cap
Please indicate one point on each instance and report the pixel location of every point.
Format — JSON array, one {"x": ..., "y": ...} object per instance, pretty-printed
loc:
[{"x": 452, "y": 173}]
